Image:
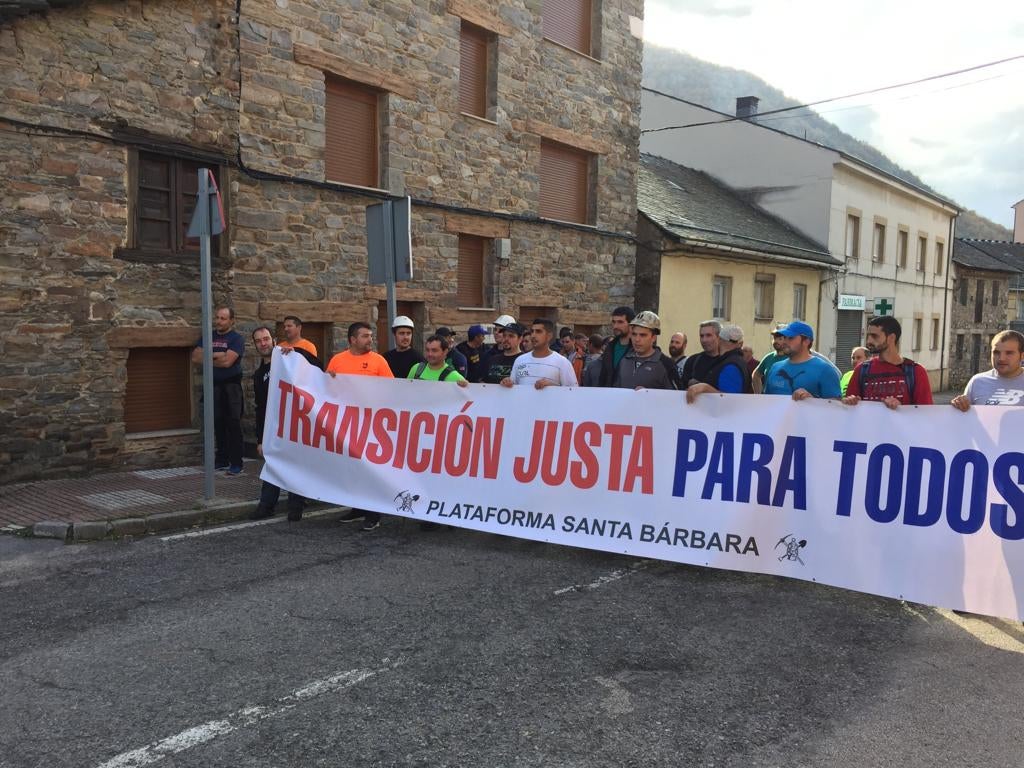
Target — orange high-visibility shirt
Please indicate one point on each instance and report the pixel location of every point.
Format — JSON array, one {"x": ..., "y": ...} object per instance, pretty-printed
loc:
[
  {"x": 305, "y": 344},
  {"x": 369, "y": 364}
]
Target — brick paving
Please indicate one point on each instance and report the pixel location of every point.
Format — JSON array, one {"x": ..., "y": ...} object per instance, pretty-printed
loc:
[{"x": 121, "y": 494}]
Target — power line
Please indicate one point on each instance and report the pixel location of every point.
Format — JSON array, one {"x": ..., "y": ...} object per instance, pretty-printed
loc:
[{"x": 839, "y": 98}]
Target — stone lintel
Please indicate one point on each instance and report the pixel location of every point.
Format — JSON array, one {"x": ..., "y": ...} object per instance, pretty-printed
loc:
[
  {"x": 570, "y": 138},
  {"x": 471, "y": 11},
  {"x": 379, "y": 293},
  {"x": 315, "y": 311},
  {"x": 350, "y": 70},
  {"x": 477, "y": 225},
  {"x": 575, "y": 316},
  {"x": 128, "y": 337},
  {"x": 461, "y": 318}
]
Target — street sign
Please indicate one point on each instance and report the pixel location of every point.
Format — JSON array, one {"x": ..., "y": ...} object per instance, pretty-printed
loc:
[
  {"x": 848, "y": 301},
  {"x": 389, "y": 247},
  {"x": 884, "y": 305},
  {"x": 207, "y": 219}
]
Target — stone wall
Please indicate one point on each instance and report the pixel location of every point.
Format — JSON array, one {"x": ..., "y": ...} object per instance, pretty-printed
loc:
[
  {"x": 962, "y": 322},
  {"x": 86, "y": 88}
]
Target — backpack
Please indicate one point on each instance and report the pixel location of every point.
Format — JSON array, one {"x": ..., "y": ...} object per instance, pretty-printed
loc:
[
  {"x": 909, "y": 375},
  {"x": 421, "y": 367}
]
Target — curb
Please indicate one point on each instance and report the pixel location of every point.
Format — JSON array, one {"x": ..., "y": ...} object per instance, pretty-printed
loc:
[{"x": 141, "y": 526}]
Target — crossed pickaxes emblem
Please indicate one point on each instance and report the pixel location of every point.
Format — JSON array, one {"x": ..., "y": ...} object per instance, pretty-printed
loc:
[
  {"x": 793, "y": 547},
  {"x": 404, "y": 501}
]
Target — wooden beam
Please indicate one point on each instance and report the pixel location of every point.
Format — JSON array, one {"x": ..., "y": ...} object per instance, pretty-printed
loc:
[
  {"x": 350, "y": 70},
  {"x": 471, "y": 11},
  {"x": 316, "y": 311},
  {"x": 477, "y": 225},
  {"x": 129, "y": 337},
  {"x": 571, "y": 138},
  {"x": 573, "y": 317}
]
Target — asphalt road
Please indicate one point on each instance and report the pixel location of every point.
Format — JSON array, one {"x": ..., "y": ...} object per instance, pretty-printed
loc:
[{"x": 314, "y": 644}]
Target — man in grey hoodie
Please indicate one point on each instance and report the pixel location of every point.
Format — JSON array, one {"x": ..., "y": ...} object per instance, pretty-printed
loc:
[{"x": 644, "y": 366}]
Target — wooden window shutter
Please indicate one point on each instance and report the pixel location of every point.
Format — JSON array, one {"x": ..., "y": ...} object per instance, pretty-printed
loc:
[
  {"x": 157, "y": 392},
  {"x": 567, "y": 22},
  {"x": 471, "y": 270},
  {"x": 350, "y": 154},
  {"x": 564, "y": 183},
  {"x": 187, "y": 192},
  {"x": 473, "y": 75},
  {"x": 156, "y": 203}
]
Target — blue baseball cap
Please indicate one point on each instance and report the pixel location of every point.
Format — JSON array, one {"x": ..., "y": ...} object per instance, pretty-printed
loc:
[
  {"x": 796, "y": 328},
  {"x": 476, "y": 330}
]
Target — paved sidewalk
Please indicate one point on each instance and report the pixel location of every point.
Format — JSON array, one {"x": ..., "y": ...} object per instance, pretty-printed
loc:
[{"x": 118, "y": 495}]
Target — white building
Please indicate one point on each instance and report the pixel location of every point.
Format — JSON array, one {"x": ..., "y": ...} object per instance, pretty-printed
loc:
[{"x": 892, "y": 236}]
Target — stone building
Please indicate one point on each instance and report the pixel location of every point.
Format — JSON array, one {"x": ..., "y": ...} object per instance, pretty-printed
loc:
[
  {"x": 514, "y": 132},
  {"x": 984, "y": 272}
]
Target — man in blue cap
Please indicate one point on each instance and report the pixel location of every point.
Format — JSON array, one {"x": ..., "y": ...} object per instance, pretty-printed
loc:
[
  {"x": 476, "y": 353},
  {"x": 802, "y": 374}
]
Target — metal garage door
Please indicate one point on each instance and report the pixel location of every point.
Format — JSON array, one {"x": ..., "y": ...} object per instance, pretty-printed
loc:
[{"x": 849, "y": 334}]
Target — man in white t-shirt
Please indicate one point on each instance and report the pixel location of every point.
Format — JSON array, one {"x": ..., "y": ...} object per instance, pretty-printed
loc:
[
  {"x": 1004, "y": 384},
  {"x": 541, "y": 367}
]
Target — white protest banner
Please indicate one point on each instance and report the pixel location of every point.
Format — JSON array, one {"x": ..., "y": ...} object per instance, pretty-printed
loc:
[{"x": 924, "y": 504}]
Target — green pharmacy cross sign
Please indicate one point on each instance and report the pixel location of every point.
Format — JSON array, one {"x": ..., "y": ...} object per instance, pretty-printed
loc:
[{"x": 884, "y": 306}]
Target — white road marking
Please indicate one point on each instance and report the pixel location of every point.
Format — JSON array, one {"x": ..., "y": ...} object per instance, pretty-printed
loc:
[
  {"x": 249, "y": 524},
  {"x": 247, "y": 716},
  {"x": 600, "y": 581}
]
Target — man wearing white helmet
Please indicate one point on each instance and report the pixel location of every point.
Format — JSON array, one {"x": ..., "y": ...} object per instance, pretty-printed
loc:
[
  {"x": 403, "y": 357},
  {"x": 644, "y": 366}
]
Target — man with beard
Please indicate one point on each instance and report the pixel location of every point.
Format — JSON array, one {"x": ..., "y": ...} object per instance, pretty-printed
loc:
[
  {"x": 677, "y": 350},
  {"x": 475, "y": 352},
  {"x": 802, "y": 375},
  {"x": 403, "y": 357},
  {"x": 644, "y": 365},
  {"x": 228, "y": 348},
  {"x": 697, "y": 367},
  {"x": 263, "y": 340},
  {"x": 728, "y": 371},
  {"x": 888, "y": 377},
  {"x": 499, "y": 365},
  {"x": 1004, "y": 384},
  {"x": 616, "y": 348},
  {"x": 777, "y": 355}
]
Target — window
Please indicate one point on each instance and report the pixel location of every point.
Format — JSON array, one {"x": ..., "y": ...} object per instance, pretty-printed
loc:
[
  {"x": 878, "y": 244},
  {"x": 564, "y": 182},
  {"x": 799, "y": 301},
  {"x": 975, "y": 352},
  {"x": 995, "y": 292},
  {"x": 979, "y": 300},
  {"x": 935, "y": 334},
  {"x": 963, "y": 291},
  {"x": 901, "y": 248},
  {"x": 1020, "y": 306},
  {"x": 764, "y": 297},
  {"x": 472, "y": 262},
  {"x": 940, "y": 256},
  {"x": 922, "y": 253},
  {"x": 474, "y": 70},
  {"x": 568, "y": 22},
  {"x": 721, "y": 297},
  {"x": 165, "y": 196},
  {"x": 916, "y": 340},
  {"x": 852, "y": 236},
  {"x": 959, "y": 346},
  {"x": 158, "y": 389},
  {"x": 352, "y": 125}
]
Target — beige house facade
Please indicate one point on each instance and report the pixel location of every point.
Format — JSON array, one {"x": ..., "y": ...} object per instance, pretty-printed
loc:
[{"x": 892, "y": 238}]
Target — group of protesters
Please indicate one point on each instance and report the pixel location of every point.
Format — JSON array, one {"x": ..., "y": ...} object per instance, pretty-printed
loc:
[{"x": 629, "y": 358}]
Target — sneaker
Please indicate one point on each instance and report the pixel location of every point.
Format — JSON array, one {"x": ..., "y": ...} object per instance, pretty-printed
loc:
[
  {"x": 261, "y": 513},
  {"x": 234, "y": 471},
  {"x": 370, "y": 525},
  {"x": 352, "y": 517},
  {"x": 219, "y": 466}
]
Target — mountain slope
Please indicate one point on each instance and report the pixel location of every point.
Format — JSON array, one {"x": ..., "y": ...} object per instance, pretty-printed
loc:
[{"x": 679, "y": 74}]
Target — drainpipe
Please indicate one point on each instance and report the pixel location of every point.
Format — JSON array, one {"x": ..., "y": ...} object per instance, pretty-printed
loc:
[{"x": 945, "y": 304}]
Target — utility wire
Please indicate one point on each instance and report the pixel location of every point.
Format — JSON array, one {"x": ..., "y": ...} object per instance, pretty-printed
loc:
[{"x": 839, "y": 98}]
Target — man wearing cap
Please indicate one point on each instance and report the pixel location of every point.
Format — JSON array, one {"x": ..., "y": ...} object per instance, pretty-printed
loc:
[
  {"x": 728, "y": 371},
  {"x": 404, "y": 356},
  {"x": 475, "y": 352},
  {"x": 455, "y": 359},
  {"x": 499, "y": 364},
  {"x": 773, "y": 357},
  {"x": 644, "y": 366},
  {"x": 802, "y": 375},
  {"x": 888, "y": 377}
]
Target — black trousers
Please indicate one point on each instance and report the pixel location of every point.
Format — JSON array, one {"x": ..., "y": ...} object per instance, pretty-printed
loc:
[
  {"x": 227, "y": 422},
  {"x": 270, "y": 493}
]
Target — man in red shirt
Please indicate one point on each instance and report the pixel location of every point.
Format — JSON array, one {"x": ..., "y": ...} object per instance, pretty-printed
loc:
[{"x": 888, "y": 377}]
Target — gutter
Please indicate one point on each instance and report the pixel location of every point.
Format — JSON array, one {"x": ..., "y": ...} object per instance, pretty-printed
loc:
[{"x": 945, "y": 305}]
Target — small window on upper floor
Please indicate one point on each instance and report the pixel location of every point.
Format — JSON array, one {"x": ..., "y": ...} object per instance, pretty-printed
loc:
[
  {"x": 163, "y": 198},
  {"x": 922, "y": 254},
  {"x": 878, "y": 244},
  {"x": 566, "y": 182},
  {"x": 901, "y": 248},
  {"x": 852, "y": 236},
  {"x": 352, "y": 125},
  {"x": 569, "y": 23},
  {"x": 476, "y": 91},
  {"x": 940, "y": 256}
]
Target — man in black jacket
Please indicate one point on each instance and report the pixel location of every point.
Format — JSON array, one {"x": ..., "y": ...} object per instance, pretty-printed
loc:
[
  {"x": 696, "y": 367},
  {"x": 263, "y": 340},
  {"x": 616, "y": 348}
]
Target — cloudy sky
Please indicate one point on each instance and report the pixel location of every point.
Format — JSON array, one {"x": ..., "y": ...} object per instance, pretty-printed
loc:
[{"x": 963, "y": 135}]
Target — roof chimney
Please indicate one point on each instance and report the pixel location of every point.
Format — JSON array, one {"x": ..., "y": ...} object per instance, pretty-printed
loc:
[
  {"x": 1018, "y": 222},
  {"x": 746, "y": 107}
]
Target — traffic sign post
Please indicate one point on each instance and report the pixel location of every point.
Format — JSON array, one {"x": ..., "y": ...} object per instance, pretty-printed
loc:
[{"x": 389, "y": 248}]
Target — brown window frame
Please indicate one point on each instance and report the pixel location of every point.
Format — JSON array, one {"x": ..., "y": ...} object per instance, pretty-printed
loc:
[
  {"x": 471, "y": 289},
  {"x": 340, "y": 97},
  {"x": 560, "y": 196},
  {"x": 476, "y": 47},
  {"x": 145, "y": 411},
  {"x": 570, "y": 23}
]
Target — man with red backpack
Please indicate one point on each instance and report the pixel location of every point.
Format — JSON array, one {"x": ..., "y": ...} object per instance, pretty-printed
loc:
[{"x": 888, "y": 377}]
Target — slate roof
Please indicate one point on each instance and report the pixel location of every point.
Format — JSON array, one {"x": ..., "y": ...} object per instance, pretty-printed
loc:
[
  {"x": 993, "y": 255},
  {"x": 10, "y": 9},
  {"x": 691, "y": 206}
]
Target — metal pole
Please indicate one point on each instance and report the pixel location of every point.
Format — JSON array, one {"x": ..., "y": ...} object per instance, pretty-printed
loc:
[
  {"x": 389, "y": 268},
  {"x": 207, "y": 302}
]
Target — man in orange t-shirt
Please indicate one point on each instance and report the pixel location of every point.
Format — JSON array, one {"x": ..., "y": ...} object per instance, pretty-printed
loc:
[
  {"x": 360, "y": 360},
  {"x": 293, "y": 336}
]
